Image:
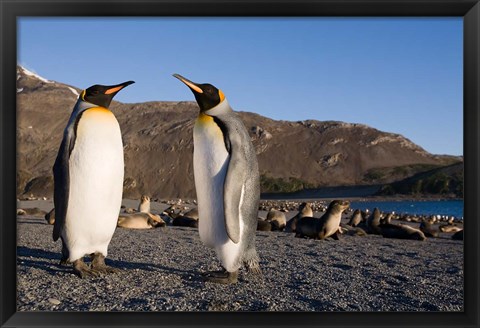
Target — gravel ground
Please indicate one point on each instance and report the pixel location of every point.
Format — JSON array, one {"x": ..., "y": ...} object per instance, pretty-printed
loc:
[{"x": 160, "y": 272}]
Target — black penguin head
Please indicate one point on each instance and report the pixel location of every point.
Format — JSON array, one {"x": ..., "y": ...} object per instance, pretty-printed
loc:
[
  {"x": 102, "y": 95},
  {"x": 207, "y": 95}
]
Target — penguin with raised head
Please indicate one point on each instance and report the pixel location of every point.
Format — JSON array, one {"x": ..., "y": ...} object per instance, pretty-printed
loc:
[
  {"x": 88, "y": 181},
  {"x": 227, "y": 183}
]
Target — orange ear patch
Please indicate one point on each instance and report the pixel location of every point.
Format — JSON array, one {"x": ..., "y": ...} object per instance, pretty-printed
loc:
[
  {"x": 113, "y": 90},
  {"x": 221, "y": 95}
]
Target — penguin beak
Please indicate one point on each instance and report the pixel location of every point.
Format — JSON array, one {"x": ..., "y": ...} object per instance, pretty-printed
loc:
[
  {"x": 113, "y": 89},
  {"x": 193, "y": 86}
]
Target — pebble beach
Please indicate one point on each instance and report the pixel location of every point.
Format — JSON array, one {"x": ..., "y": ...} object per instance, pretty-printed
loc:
[{"x": 160, "y": 271}]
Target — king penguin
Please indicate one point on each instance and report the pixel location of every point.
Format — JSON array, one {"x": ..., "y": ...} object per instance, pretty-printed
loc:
[
  {"x": 88, "y": 181},
  {"x": 227, "y": 183}
]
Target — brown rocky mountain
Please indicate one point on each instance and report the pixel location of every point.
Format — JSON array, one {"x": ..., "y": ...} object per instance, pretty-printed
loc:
[{"x": 158, "y": 146}]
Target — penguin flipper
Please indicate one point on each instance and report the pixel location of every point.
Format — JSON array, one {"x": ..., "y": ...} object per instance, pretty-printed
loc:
[
  {"x": 232, "y": 193},
  {"x": 61, "y": 177}
]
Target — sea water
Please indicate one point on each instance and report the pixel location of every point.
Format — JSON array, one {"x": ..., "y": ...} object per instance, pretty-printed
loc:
[{"x": 427, "y": 207}]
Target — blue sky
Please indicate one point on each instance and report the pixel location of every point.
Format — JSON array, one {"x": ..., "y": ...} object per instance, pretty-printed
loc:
[{"x": 400, "y": 75}]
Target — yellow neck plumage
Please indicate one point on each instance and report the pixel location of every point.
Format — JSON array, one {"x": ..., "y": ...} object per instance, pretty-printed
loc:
[{"x": 204, "y": 118}]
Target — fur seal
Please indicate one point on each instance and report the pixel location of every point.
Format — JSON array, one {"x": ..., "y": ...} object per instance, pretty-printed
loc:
[
  {"x": 427, "y": 228},
  {"x": 140, "y": 220},
  {"x": 277, "y": 219},
  {"x": 144, "y": 205},
  {"x": 263, "y": 225},
  {"x": 189, "y": 219},
  {"x": 373, "y": 222},
  {"x": 35, "y": 211},
  {"x": 356, "y": 218},
  {"x": 401, "y": 231},
  {"x": 327, "y": 226},
  {"x": 185, "y": 221},
  {"x": 352, "y": 231},
  {"x": 458, "y": 235},
  {"x": 387, "y": 219},
  {"x": 193, "y": 213},
  {"x": 304, "y": 210},
  {"x": 167, "y": 218},
  {"x": 50, "y": 216},
  {"x": 449, "y": 228},
  {"x": 172, "y": 211}
]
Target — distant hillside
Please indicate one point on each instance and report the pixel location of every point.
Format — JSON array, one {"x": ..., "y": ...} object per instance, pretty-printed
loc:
[
  {"x": 158, "y": 146},
  {"x": 440, "y": 181}
]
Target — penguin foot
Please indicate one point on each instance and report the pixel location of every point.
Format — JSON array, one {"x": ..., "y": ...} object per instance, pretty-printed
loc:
[
  {"x": 65, "y": 262},
  {"x": 221, "y": 277},
  {"x": 99, "y": 266},
  {"x": 106, "y": 270},
  {"x": 255, "y": 270},
  {"x": 253, "y": 266},
  {"x": 82, "y": 270}
]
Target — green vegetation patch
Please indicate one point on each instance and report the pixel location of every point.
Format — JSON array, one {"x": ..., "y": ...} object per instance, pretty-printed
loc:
[
  {"x": 291, "y": 184},
  {"x": 374, "y": 174},
  {"x": 438, "y": 183},
  {"x": 378, "y": 174}
]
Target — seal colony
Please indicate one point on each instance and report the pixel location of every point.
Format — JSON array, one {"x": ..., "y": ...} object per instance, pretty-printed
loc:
[{"x": 429, "y": 225}]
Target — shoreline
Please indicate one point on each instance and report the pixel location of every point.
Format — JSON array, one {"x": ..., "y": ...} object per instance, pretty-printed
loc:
[
  {"x": 367, "y": 198},
  {"x": 289, "y": 206},
  {"x": 353, "y": 193}
]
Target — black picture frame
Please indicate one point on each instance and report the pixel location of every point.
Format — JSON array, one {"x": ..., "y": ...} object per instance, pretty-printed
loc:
[{"x": 10, "y": 10}]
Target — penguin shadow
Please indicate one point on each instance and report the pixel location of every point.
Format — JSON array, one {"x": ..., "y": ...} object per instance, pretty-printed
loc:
[
  {"x": 50, "y": 263},
  {"x": 385, "y": 245},
  {"x": 388, "y": 262},
  {"x": 408, "y": 254},
  {"x": 30, "y": 220},
  {"x": 446, "y": 240},
  {"x": 314, "y": 254},
  {"x": 282, "y": 234},
  {"x": 40, "y": 259},
  {"x": 187, "y": 275},
  {"x": 345, "y": 267},
  {"x": 316, "y": 304}
]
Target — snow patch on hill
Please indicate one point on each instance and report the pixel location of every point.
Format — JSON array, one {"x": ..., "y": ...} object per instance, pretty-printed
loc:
[
  {"x": 75, "y": 92},
  {"x": 35, "y": 75}
]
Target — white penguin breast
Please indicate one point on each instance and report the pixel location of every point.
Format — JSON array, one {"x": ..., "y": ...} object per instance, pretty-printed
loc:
[
  {"x": 210, "y": 164},
  {"x": 96, "y": 183}
]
